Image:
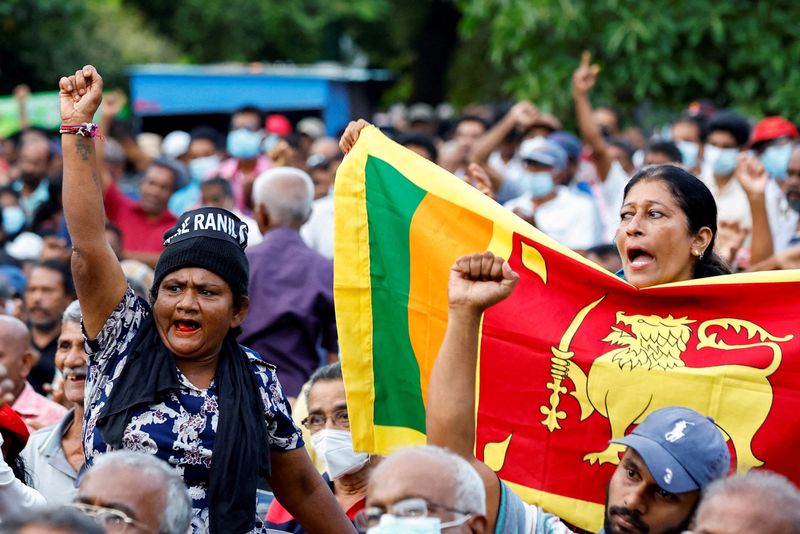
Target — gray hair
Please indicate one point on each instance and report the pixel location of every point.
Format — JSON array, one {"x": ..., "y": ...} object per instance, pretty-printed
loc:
[
  {"x": 760, "y": 486},
  {"x": 178, "y": 507},
  {"x": 286, "y": 194},
  {"x": 73, "y": 313},
  {"x": 469, "y": 493},
  {"x": 332, "y": 371},
  {"x": 62, "y": 518}
]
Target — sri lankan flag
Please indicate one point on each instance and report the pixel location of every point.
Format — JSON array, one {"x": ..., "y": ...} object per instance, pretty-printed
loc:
[{"x": 575, "y": 357}]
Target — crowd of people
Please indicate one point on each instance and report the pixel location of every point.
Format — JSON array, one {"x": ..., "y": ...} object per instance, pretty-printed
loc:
[{"x": 169, "y": 345}]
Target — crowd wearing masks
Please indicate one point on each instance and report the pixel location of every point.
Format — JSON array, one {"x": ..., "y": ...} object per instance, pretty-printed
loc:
[{"x": 170, "y": 355}]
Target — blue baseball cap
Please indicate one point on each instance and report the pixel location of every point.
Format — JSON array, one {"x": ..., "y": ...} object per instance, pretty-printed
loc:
[
  {"x": 544, "y": 151},
  {"x": 684, "y": 450},
  {"x": 571, "y": 144}
]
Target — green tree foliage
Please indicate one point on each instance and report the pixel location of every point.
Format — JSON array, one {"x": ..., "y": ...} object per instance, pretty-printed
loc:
[
  {"x": 210, "y": 31},
  {"x": 44, "y": 39},
  {"x": 662, "y": 54},
  {"x": 390, "y": 34}
]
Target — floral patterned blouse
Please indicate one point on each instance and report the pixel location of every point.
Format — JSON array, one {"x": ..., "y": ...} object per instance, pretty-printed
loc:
[{"x": 181, "y": 429}]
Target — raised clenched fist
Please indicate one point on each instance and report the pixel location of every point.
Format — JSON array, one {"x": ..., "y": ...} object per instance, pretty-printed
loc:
[{"x": 80, "y": 95}]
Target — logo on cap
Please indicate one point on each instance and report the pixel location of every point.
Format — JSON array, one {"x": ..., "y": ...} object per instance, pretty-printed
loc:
[
  {"x": 677, "y": 432},
  {"x": 208, "y": 222}
]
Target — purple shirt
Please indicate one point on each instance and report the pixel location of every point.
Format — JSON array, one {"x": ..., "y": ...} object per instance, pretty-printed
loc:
[{"x": 291, "y": 307}]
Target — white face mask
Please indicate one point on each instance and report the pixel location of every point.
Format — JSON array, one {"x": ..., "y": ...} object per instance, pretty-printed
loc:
[
  {"x": 335, "y": 448},
  {"x": 391, "y": 524}
]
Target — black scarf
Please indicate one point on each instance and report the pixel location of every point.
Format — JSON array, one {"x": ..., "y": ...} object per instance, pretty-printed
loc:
[{"x": 241, "y": 448}]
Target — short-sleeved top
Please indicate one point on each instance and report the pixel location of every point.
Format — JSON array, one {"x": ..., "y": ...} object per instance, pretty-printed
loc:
[
  {"x": 51, "y": 473},
  {"x": 517, "y": 517},
  {"x": 569, "y": 217},
  {"x": 181, "y": 428},
  {"x": 140, "y": 232}
]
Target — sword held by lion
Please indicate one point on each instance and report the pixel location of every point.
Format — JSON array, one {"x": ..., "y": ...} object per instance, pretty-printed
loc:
[{"x": 647, "y": 373}]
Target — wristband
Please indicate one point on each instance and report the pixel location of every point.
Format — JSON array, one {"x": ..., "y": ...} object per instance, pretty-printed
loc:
[{"x": 87, "y": 129}]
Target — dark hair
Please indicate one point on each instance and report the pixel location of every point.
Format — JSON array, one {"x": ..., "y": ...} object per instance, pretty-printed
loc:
[
  {"x": 50, "y": 207},
  {"x": 624, "y": 144},
  {"x": 61, "y": 268},
  {"x": 419, "y": 139},
  {"x": 62, "y": 518},
  {"x": 219, "y": 181},
  {"x": 614, "y": 111},
  {"x": 667, "y": 148},
  {"x": 469, "y": 118},
  {"x": 208, "y": 133},
  {"x": 17, "y": 465},
  {"x": 14, "y": 459},
  {"x": 248, "y": 109},
  {"x": 699, "y": 121},
  {"x": 180, "y": 176},
  {"x": 332, "y": 371},
  {"x": 7, "y": 189},
  {"x": 114, "y": 229},
  {"x": 733, "y": 123},
  {"x": 696, "y": 202}
]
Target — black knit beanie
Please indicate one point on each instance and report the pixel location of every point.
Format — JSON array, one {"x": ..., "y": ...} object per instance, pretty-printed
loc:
[{"x": 209, "y": 238}]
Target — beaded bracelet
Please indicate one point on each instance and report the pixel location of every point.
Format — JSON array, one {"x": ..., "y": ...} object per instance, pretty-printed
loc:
[{"x": 87, "y": 129}]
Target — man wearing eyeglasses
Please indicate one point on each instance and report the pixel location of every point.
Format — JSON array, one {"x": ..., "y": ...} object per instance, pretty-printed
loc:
[
  {"x": 424, "y": 490},
  {"x": 134, "y": 492},
  {"x": 346, "y": 471}
]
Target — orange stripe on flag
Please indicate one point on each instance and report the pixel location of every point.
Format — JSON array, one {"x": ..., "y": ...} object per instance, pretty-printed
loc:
[{"x": 440, "y": 233}]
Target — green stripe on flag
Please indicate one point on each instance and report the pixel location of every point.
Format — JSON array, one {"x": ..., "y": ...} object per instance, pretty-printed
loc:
[{"x": 391, "y": 202}]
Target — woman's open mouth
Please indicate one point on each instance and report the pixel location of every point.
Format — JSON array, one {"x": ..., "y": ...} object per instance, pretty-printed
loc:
[
  {"x": 186, "y": 327},
  {"x": 639, "y": 258}
]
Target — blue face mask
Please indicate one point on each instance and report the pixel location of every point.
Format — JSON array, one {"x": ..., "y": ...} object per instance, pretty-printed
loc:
[
  {"x": 776, "y": 160},
  {"x": 199, "y": 168},
  {"x": 722, "y": 160},
  {"x": 537, "y": 184},
  {"x": 13, "y": 219},
  {"x": 243, "y": 143},
  {"x": 689, "y": 152}
]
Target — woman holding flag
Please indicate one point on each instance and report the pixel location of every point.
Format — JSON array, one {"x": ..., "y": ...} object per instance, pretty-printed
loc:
[{"x": 666, "y": 233}]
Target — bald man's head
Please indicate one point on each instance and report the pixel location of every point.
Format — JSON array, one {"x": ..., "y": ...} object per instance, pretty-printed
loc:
[
  {"x": 16, "y": 353},
  {"x": 282, "y": 198},
  {"x": 435, "y": 475}
]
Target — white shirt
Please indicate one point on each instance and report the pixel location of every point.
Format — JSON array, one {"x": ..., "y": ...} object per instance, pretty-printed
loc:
[
  {"x": 733, "y": 205},
  {"x": 570, "y": 217},
  {"x": 51, "y": 473},
  {"x": 254, "y": 236},
  {"x": 14, "y": 495},
  {"x": 317, "y": 232},
  {"x": 510, "y": 172}
]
